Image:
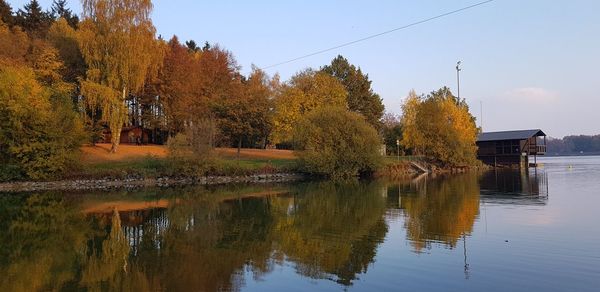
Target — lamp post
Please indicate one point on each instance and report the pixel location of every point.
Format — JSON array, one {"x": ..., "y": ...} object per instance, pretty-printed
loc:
[
  {"x": 458, "y": 78},
  {"x": 398, "y": 146}
]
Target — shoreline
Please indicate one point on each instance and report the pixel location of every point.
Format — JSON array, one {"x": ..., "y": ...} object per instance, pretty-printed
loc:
[
  {"x": 109, "y": 184},
  {"x": 132, "y": 181}
]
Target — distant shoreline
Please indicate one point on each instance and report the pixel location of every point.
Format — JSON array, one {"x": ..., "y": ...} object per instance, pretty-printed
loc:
[{"x": 572, "y": 154}]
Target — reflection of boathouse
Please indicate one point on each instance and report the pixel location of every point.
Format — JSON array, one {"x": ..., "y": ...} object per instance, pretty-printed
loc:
[
  {"x": 514, "y": 187},
  {"x": 511, "y": 148}
]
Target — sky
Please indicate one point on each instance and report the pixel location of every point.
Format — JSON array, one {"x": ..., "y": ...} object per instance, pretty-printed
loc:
[{"x": 525, "y": 64}]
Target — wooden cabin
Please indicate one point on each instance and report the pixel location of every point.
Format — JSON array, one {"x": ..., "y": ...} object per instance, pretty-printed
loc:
[
  {"x": 129, "y": 135},
  {"x": 511, "y": 148}
]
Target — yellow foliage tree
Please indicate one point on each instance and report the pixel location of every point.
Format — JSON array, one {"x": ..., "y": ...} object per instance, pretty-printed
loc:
[
  {"x": 307, "y": 91},
  {"x": 440, "y": 127},
  {"x": 117, "y": 40},
  {"x": 411, "y": 137}
]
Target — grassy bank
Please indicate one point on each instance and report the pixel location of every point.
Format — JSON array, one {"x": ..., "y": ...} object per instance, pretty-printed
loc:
[{"x": 152, "y": 161}]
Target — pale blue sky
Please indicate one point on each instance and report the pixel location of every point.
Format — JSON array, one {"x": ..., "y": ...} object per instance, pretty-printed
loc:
[{"x": 532, "y": 64}]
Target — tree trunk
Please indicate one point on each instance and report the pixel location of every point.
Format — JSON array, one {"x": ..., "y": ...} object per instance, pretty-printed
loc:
[
  {"x": 115, "y": 137},
  {"x": 239, "y": 148}
]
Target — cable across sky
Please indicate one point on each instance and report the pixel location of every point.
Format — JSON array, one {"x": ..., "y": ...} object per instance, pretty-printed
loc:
[{"x": 380, "y": 34}]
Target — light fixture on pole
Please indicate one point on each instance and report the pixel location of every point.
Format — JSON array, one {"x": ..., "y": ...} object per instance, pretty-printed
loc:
[{"x": 458, "y": 78}]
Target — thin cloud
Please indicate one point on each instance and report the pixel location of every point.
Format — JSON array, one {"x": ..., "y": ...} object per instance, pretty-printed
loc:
[{"x": 532, "y": 95}]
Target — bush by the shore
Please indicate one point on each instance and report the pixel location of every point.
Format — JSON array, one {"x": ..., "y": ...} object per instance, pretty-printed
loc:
[{"x": 336, "y": 143}]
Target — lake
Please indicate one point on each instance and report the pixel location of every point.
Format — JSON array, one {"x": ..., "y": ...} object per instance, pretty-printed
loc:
[{"x": 508, "y": 230}]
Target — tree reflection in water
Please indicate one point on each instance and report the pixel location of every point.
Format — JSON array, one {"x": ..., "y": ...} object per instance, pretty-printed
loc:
[
  {"x": 202, "y": 240},
  {"x": 332, "y": 230},
  {"x": 42, "y": 239},
  {"x": 437, "y": 210},
  {"x": 208, "y": 239}
]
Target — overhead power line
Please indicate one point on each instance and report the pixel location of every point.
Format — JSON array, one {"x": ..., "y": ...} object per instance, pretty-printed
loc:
[{"x": 380, "y": 34}]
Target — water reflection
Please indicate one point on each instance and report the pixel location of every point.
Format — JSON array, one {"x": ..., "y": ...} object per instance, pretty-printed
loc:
[
  {"x": 207, "y": 239},
  {"x": 522, "y": 187},
  {"x": 437, "y": 210}
]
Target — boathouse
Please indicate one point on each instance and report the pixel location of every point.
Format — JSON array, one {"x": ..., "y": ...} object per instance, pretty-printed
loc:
[{"x": 511, "y": 148}]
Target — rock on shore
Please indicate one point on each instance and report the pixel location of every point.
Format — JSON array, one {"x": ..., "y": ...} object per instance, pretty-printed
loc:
[{"x": 95, "y": 184}]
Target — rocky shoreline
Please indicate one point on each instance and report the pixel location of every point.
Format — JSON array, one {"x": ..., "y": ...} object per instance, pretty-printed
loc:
[{"x": 133, "y": 182}]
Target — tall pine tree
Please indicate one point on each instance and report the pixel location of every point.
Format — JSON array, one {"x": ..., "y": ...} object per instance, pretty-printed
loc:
[
  {"x": 33, "y": 19},
  {"x": 6, "y": 14},
  {"x": 60, "y": 10}
]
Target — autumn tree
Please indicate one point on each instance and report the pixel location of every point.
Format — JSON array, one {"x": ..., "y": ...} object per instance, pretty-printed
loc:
[
  {"x": 14, "y": 44},
  {"x": 247, "y": 113},
  {"x": 64, "y": 38},
  {"x": 361, "y": 97},
  {"x": 440, "y": 126},
  {"x": 259, "y": 92},
  {"x": 39, "y": 132},
  {"x": 218, "y": 83},
  {"x": 412, "y": 138},
  {"x": 35, "y": 108},
  {"x": 177, "y": 84},
  {"x": 117, "y": 40},
  {"x": 306, "y": 91}
]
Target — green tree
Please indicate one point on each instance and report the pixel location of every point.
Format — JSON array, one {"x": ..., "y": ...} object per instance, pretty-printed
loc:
[
  {"x": 361, "y": 97},
  {"x": 33, "y": 19},
  {"x": 337, "y": 143},
  {"x": 192, "y": 46},
  {"x": 392, "y": 132},
  {"x": 6, "y": 14},
  {"x": 60, "y": 10},
  {"x": 305, "y": 92},
  {"x": 117, "y": 40}
]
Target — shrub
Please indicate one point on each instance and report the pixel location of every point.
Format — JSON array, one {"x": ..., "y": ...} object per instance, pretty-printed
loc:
[
  {"x": 336, "y": 143},
  {"x": 190, "y": 152}
]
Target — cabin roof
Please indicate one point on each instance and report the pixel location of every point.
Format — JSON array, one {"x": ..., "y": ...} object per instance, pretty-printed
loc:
[{"x": 509, "y": 135}]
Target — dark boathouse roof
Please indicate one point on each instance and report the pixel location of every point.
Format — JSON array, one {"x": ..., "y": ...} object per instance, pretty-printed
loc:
[{"x": 509, "y": 135}]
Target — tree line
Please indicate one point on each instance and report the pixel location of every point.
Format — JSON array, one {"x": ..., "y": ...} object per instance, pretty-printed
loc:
[
  {"x": 116, "y": 72},
  {"x": 81, "y": 79},
  {"x": 574, "y": 144}
]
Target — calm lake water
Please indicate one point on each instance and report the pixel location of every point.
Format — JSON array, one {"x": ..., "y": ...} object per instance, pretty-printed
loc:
[{"x": 498, "y": 231}]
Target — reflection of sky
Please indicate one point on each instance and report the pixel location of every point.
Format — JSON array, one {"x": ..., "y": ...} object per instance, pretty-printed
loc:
[{"x": 513, "y": 247}]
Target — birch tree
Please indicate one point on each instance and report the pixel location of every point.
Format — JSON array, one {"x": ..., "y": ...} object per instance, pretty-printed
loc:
[{"x": 117, "y": 40}]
